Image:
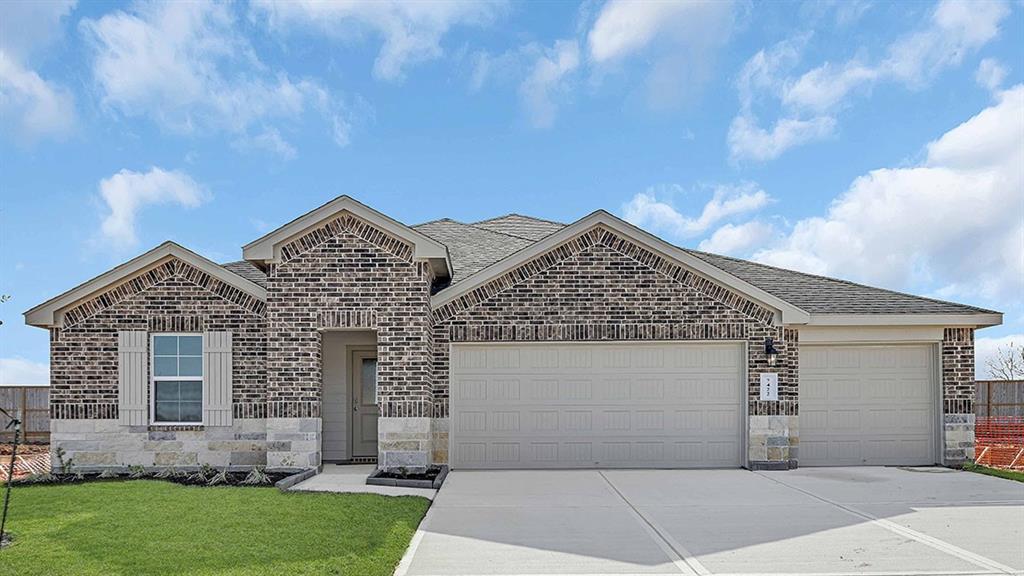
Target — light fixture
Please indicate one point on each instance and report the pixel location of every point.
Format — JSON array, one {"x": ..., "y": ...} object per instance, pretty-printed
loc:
[{"x": 770, "y": 351}]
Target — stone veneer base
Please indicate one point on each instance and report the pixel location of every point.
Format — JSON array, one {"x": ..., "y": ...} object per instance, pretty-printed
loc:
[
  {"x": 102, "y": 444},
  {"x": 958, "y": 438},
  {"x": 293, "y": 443},
  {"x": 404, "y": 442},
  {"x": 773, "y": 439}
]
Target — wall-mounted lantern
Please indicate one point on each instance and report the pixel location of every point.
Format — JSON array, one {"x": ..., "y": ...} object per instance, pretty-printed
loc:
[{"x": 770, "y": 351}]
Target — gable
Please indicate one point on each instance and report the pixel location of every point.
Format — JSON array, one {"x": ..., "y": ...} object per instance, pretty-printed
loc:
[
  {"x": 602, "y": 274},
  {"x": 635, "y": 243},
  {"x": 268, "y": 249},
  {"x": 140, "y": 273}
]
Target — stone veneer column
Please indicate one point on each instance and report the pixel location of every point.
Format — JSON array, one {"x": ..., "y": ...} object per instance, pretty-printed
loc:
[{"x": 958, "y": 389}]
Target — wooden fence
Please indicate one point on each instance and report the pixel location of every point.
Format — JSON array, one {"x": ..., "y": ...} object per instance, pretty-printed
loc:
[
  {"x": 999, "y": 398},
  {"x": 30, "y": 404}
]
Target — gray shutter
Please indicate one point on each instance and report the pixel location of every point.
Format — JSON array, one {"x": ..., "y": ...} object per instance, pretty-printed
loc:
[
  {"x": 217, "y": 378},
  {"x": 133, "y": 379}
]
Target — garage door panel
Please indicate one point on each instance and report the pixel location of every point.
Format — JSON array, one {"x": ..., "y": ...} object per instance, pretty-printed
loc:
[
  {"x": 867, "y": 405},
  {"x": 627, "y": 405}
]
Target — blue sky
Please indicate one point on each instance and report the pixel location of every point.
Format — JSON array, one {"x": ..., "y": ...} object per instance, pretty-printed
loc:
[{"x": 879, "y": 142}]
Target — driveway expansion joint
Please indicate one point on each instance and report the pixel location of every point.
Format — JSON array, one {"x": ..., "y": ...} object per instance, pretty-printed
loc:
[
  {"x": 991, "y": 566},
  {"x": 680, "y": 556}
]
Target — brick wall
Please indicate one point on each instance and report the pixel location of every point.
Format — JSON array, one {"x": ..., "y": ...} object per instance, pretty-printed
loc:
[
  {"x": 601, "y": 286},
  {"x": 958, "y": 387},
  {"x": 173, "y": 296},
  {"x": 348, "y": 274}
]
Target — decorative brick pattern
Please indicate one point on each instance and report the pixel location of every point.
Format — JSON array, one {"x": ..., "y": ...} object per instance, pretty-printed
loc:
[
  {"x": 958, "y": 386},
  {"x": 172, "y": 268},
  {"x": 173, "y": 297}
]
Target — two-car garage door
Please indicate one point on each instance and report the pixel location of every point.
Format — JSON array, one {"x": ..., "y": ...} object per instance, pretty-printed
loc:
[{"x": 647, "y": 405}]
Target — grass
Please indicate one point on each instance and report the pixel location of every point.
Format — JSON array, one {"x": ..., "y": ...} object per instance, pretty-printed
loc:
[
  {"x": 148, "y": 527},
  {"x": 997, "y": 472}
]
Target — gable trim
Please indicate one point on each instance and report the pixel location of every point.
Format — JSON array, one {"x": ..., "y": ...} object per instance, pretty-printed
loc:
[
  {"x": 50, "y": 313},
  {"x": 538, "y": 257},
  {"x": 267, "y": 249}
]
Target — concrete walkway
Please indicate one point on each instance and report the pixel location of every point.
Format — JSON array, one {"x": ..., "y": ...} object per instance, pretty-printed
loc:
[
  {"x": 835, "y": 521},
  {"x": 352, "y": 478}
]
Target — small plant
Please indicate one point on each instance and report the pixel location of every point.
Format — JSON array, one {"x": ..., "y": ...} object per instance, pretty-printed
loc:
[
  {"x": 109, "y": 473},
  {"x": 256, "y": 477},
  {"x": 403, "y": 471},
  {"x": 166, "y": 473},
  {"x": 202, "y": 475},
  {"x": 220, "y": 478},
  {"x": 136, "y": 471},
  {"x": 67, "y": 466}
]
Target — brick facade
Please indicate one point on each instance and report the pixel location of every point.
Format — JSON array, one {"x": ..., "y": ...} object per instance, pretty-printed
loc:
[
  {"x": 600, "y": 286},
  {"x": 347, "y": 274},
  {"x": 174, "y": 296}
]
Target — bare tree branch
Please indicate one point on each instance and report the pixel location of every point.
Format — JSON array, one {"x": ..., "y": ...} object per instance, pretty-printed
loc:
[{"x": 1007, "y": 364}]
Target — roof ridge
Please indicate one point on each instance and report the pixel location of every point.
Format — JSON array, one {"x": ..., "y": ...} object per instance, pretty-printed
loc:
[
  {"x": 520, "y": 216},
  {"x": 434, "y": 221},
  {"x": 478, "y": 228},
  {"x": 840, "y": 280}
]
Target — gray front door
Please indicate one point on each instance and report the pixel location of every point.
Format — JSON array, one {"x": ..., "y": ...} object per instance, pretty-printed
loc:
[{"x": 364, "y": 404}]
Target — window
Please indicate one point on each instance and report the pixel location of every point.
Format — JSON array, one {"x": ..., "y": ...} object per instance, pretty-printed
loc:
[{"x": 177, "y": 391}]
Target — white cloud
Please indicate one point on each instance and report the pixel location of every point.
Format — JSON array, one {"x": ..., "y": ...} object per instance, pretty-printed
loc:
[
  {"x": 22, "y": 371},
  {"x": 737, "y": 239},
  {"x": 411, "y": 30},
  {"x": 27, "y": 26},
  {"x": 987, "y": 348},
  {"x": 955, "y": 221},
  {"x": 647, "y": 211},
  {"x": 810, "y": 101},
  {"x": 990, "y": 74},
  {"x": 185, "y": 65},
  {"x": 626, "y": 27},
  {"x": 127, "y": 192},
  {"x": 547, "y": 79},
  {"x": 747, "y": 140},
  {"x": 269, "y": 140},
  {"x": 32, "y": 107},
  {"x": 679, "y": 38}
]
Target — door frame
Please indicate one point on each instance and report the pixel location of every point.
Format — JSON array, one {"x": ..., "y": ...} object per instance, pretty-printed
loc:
[
  {"x": 360, "y": 353},
  {"x": 743, "y": 384}
]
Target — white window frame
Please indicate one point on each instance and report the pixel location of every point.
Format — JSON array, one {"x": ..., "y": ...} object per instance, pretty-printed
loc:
[{"x": 153, "y": 379}]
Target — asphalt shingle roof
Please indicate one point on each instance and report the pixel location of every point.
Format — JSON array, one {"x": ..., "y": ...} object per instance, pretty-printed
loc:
[
  {"x": 473, "y": 247},
  {"x": 247, "y": 270},
  {"x": 470, "y": 247},
  {"x": 521, "y": 226}
]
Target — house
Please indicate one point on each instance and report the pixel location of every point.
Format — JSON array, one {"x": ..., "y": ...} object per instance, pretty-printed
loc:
[{"x": 514, "y": 342}]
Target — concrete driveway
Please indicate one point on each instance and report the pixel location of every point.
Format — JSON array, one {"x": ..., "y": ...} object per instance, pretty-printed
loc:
[{"x": 873, "y": 521}]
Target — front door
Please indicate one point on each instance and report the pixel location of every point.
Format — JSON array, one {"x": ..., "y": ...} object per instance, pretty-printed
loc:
[{"x": 364, "y": 404}]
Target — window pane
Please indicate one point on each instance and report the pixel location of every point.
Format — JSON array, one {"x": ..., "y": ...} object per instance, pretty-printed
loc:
[
  {"x": 165, "y": 345},
  {"x": 190, "y": 345},
  {"x": 190, "y": 366},
  {"x": 191, "y": 391},
  {"x": 191, "y": 412},
  {"x": 369, "y": 378},
  {"x": 166, "y": 391},
  {"x": 167, "y": 412},
  {"x": 165, "y": 366}
]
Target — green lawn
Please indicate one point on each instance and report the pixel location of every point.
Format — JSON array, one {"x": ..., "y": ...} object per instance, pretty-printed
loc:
[
  {"x": 997, "y": 472},
  {"x": 144, "y": 527}
]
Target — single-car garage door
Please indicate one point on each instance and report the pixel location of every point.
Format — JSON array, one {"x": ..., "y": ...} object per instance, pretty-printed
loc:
[
  {"x": 616, "y": 405},
  {"x": 865, "y": 405}
]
